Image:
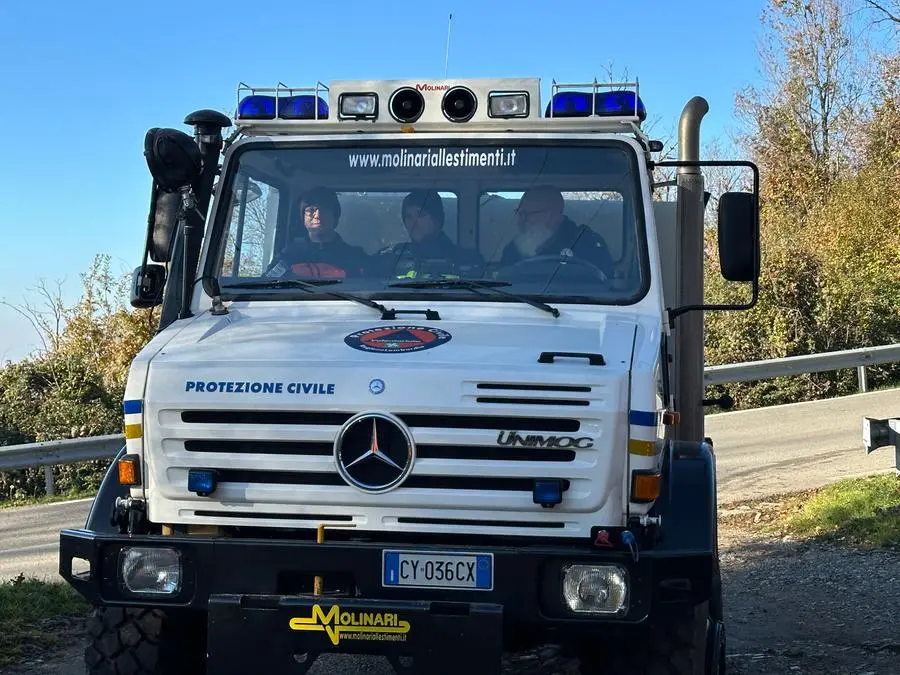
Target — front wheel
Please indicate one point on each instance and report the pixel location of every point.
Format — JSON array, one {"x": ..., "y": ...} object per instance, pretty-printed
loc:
[
  {"x": 690, "y": 641},
  {"x": 142, "y": 641}
]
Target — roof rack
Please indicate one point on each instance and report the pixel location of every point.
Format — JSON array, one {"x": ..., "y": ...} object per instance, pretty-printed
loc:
[{"x": 578, "y": 107}]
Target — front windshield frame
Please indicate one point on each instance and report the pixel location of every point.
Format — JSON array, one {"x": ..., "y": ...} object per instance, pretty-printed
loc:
[{"x": 215, "y": 247}]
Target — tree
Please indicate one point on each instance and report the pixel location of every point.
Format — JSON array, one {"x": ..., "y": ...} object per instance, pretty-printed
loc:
[
  {"x": 73, "y": 387},
  {"x": 804, "y": 121},
  {"x": 887, "y": 10},
  {"x": 824, "y": 137}
]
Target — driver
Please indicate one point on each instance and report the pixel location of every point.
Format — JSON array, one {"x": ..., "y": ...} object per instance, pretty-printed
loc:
[
  {"x": 319, "y": 251},
  {"x": 422, "y": 213},
  {"x": 545, "y": 230}
]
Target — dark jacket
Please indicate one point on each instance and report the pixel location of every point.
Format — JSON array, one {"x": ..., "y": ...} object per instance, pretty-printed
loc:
[
  {"x": 303, "y": 258},
  {"x": 581, "y": 240},
  {"x": 436, "y": 254}
]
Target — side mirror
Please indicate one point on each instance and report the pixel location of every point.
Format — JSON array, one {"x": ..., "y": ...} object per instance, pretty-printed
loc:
[
  {"x": 738, "y": 237},
  {"x": 147, "y": 283},
  {"x": 163, "y": 221}
]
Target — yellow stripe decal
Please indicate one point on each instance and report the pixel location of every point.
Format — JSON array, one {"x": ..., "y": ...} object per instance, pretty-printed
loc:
[
  {"x": 133, "y": 431},
  {"x": 645, "y": 448}
]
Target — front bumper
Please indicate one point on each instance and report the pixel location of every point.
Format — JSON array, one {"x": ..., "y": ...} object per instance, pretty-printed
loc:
[
  {"x": 252, "y": 589},
  {"x": 289, "y": 627}
]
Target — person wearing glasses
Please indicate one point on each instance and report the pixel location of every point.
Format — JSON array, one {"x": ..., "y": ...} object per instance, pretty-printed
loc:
[
  {"x": 545, "y": 230},
  {"x": 318, "y": 251}
]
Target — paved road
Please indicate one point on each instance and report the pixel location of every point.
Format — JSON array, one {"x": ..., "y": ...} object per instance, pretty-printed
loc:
[
  {"x": 29, "y": 537},
  {"x": 759, "y": 452},
  {"x": 797, "y": 446}
]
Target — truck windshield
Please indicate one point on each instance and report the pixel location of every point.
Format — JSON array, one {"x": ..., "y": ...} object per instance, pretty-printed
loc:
[{"x": 544, "y": 220}]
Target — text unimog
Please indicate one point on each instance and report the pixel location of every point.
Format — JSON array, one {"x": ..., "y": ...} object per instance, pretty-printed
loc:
[{"x": 428, "y": 383}]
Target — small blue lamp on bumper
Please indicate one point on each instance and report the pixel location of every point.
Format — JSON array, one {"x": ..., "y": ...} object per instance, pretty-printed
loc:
[
  {"x": 202, "y": 481},
  {"x": 547, "y": 492}
]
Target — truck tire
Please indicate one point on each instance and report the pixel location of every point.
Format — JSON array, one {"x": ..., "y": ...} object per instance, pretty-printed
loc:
[
  {"x": 143, "y": 641},
  {"x": 675, "y": 644}
]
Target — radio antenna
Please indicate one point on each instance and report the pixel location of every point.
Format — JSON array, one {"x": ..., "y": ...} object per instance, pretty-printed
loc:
[{"x": 447, "y": 53}]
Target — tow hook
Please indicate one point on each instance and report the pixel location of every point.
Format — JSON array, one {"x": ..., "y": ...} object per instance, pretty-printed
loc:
[
  {"x": 129, "y": 515},
  {"x": 646, "y": 521}
]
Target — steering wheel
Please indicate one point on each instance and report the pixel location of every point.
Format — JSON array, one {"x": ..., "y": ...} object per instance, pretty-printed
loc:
[{"x": 561, "y": 260}]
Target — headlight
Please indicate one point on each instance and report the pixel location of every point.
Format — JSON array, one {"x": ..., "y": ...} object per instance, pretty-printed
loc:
[
  {"x": 508, "y": 105},
  {"x": 152, "y": 570},
  {"x": 359, "y": 106},
  {"x": 595, "y": 589}
]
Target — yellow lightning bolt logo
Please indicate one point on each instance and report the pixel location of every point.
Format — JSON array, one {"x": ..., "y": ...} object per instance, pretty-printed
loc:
[{"x": 334, "y": 623}]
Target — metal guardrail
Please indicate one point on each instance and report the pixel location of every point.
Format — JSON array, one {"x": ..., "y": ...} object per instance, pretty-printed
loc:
[
  {"x": 882, "y": 434},
  {"x": 797, "y": 365},
  {"x": 64, "y": 451}
]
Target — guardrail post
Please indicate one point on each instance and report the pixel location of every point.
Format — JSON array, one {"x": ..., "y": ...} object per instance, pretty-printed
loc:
[
  {"x": 48, "y": 480},
  {"x": 861, "y": 376}
]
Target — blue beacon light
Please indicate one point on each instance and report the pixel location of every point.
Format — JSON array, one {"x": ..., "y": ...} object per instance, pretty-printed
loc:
[
  {"x": 606, "y": 103},
  {"x": 301, "y": 107}
]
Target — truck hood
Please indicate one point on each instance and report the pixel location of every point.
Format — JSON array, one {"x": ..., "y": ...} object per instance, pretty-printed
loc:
[
  {"x": 257, "y": 339},
  {"x": 261, "y": 398}
]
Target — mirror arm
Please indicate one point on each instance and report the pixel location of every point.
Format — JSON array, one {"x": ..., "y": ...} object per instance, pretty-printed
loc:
[
  {"x": 678, "y": 311},
  {"x": 188, "y": 205}
]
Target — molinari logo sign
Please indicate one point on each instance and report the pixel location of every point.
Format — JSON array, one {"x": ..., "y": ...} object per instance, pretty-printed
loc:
[
  {"x": 340, "y": 625},
  {"x": 432, "y": 87}
]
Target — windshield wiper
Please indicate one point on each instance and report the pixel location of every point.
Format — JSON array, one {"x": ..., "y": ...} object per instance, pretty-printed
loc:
[
  {"x": 311, "y": 286},
  {"x": 475, "y": 285}
]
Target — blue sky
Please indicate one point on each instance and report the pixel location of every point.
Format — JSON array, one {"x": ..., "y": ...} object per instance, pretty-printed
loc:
[{"x": 84, "y": 81}]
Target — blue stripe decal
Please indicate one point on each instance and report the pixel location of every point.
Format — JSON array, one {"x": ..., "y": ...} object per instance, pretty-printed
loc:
[
  {"x": 133, "y": 407},
  {"x": 642, "y": 418}
]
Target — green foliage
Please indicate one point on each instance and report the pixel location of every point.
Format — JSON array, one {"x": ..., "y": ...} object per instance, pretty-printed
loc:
[
  {"x": 830, "y": 242},
  {"x": 33, "y": 617},
  {"x": 75, "y": 387},
  {"x": 863, "y": 512}
]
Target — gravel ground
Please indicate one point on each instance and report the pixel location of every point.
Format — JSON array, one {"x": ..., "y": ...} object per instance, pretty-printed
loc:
[{"x": 793, "y": 607}]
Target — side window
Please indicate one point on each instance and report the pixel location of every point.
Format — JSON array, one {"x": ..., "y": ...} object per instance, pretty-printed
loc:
[{"x": 253, "y": 217}]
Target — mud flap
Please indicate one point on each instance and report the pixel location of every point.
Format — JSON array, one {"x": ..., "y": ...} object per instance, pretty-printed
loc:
[{"x": 286, "y": 634}]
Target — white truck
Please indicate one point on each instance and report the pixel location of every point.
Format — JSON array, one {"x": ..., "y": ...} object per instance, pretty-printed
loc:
[{"x": 428, "y": 383}]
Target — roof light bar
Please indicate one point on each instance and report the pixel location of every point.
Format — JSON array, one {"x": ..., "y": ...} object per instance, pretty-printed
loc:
[
  {"x": 618, "y": 102},
  {"x": 285, "y": 104}
]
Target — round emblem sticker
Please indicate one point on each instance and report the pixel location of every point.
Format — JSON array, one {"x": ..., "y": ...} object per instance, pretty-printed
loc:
[{"x": 397, "y": 339}]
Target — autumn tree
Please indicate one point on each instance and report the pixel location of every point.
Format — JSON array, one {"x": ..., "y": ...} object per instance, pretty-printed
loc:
[
  {"x": 820, "y": 127},
  {"x": 74, "y": 386}
]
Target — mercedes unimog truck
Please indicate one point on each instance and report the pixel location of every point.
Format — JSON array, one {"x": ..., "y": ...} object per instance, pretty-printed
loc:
[{"x": 427, "y": 384}]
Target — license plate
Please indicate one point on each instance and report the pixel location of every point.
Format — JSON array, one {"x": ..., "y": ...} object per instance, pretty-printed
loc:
[{"x": 418, "y": 569}]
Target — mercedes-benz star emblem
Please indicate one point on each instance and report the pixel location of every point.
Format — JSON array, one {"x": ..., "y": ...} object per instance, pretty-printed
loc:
[{"x": 374, "y": 452}]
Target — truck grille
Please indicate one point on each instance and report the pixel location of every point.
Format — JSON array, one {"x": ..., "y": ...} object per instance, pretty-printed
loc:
[
  {"x": 413, "y": 421},
  {"x": 515, "y": 394},
  {"x": 474, "y": 473},
  {"x": 468, "y": 452}
]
